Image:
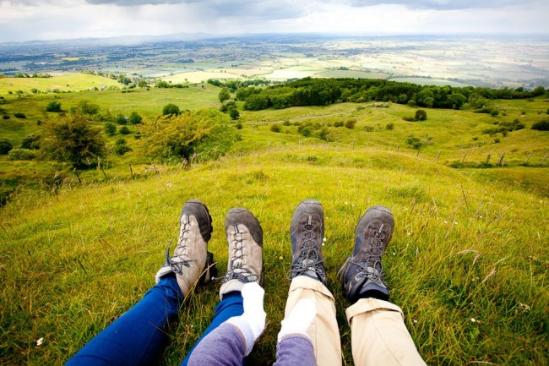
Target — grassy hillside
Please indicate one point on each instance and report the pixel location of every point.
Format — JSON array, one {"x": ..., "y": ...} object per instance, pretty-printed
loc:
[{"x": 468, "y": 261}]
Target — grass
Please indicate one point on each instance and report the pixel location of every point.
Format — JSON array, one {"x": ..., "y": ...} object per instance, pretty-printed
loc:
[
  {"x": 467, "y": 263},
  {"x": 61, "y": 82}
]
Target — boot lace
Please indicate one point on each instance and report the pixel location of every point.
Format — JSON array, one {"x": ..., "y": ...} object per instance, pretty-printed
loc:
[
  {"x": 238, "y": 269},
  {"x": 370, "y": 264},
  {"x": 182, "y": 259},
  {"x": 309, "y": 258}
]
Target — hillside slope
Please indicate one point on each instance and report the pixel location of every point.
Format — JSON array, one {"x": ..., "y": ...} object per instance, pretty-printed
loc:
[{"x": 468, "y": 261}]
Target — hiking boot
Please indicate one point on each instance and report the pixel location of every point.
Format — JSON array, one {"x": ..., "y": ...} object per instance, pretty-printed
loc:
[
  {"x": 307, "y": 234},
  {"x": 245, "y": 238},
  {"x": 362, "y": 275},
  {"x": 191, "y": 262}
]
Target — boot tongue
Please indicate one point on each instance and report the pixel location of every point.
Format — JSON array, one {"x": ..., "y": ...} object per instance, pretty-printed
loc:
[{"x": 309, "y": 264}]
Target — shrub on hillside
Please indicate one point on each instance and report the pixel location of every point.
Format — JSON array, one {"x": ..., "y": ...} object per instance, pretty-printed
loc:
[
  {"x": 338, "y": 124},
  {"x": 389, "y": 126},
  {"x": 171, "y": 110},
  {"x": 224, "y": 95},
  {"x": 369, "y": 128},
  {"x": 110, "y": 129},
  {"x": 350, "y": 124},
  {"x": 21, "y": 154},
  {"x": 326, "y": 135},
  {"x": 420, "y": 115},
  {"x": 87, "y": 108},
  {"x": 541, "y": 125},
  {"x": 31, "y": 142},
  {"x": 20, "y": 115},
  {"x": 414, "y": 142},
  {"x": 124, "y": 130},
  {"x": 135, "y": 118},
  {"x": 276, "y": 128},
  {"x": 53, "y": 106},
  {"x": 5, "y": 116},
  {"x": 73, "y": 140},
  {"x": 121, "y": 119},
  {"x": 5, "y": 146},
  {"x": 121, "y": 147},
  {"x": 205, "y": 134},
  {"x": 234, "y": 114}
]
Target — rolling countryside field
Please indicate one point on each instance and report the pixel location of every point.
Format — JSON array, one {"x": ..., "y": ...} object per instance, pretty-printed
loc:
[{"x": 468, "y": 261}]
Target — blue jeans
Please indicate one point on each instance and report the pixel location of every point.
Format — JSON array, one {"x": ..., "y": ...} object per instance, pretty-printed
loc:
[{"x": 139, "y": 336}]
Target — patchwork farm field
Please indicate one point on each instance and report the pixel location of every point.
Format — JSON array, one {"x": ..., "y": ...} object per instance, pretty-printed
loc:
[{"x": 468, "y": 262}]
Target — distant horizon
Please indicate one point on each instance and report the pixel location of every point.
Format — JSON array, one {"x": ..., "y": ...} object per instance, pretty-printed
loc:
[{"x": 172, "y": 37}]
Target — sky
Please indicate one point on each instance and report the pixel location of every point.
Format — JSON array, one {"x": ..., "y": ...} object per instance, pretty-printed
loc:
[{"x": 24, "y": 20}]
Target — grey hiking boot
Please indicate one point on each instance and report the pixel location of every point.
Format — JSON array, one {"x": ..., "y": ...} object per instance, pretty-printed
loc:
[
  {"x": 307, "y": 234},
  {"x": 362, "y": 275},
  {"x": 191, "y": 262},
  {"x": 245, "y": 238}
]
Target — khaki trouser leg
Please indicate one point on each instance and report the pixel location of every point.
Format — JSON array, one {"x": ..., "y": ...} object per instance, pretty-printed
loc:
[
  {"x": 379, "y": 335},
  {"x": 323, "y": 331}
]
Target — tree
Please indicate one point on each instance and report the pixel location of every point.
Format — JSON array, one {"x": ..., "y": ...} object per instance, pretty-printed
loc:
[
  {"x": 53, "y": 106},
  {"x": 121, "y": 147},
  {"x": 135, "y": 118},
  {"x": 5, "y": 146},
  {"x": 205, "y": 134},
  {"x": 73, "y": 139},
  {"x": 224, "y": 95},
  {"x": 110, "y": 129},
  {"x": 171, "y": 110},
  {"x": 421, "y": 115}
]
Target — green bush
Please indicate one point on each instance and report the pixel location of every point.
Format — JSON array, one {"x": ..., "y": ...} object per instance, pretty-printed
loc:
[
  {"x": 5, "y": 116},
  {"x": 121, "y": 147},
  {"x": 124, "y": 130},
  {"x": 338, "y": 124},
  {"x": 110, "y": 129},
  {"x": 5, "y": 146},
  {"x": 420, "y": 115},
  {"x": 350, "y": 124},
  {"x": 121, "y": 119},
  {"x": 31, "y": 142},
  {"x": 541, "y": 125},
  {"x": 389, "y": 126},
  {"x": 224, "y": 95},
  {"x": 20, "y": 115},
  {"x": 233, "y": 113},
  {"x": 414, "y": 142},
  {"x": 88, "y": 108},
  {"x": 326, "y": 135},
  {"x": 53, "y": 106},
  {"x": 368, "y": 128},
  {"x": 171, "y": 110},
  {"x": 239, "y": 126},
  {"x": 135, "y": 118},
  {"x": 276, "y": 128},
  {"x": 21, "y": 154},
  {"x": 207, "y": 134},
  {"x": 74, "y": 140}
]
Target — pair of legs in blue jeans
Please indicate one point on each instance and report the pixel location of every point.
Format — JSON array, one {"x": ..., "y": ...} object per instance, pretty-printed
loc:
[{"x": 140, "y": 335}]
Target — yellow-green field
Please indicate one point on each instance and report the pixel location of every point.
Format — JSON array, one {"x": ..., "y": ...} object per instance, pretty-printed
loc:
[
  {"x": 468, "y": 261},
  {"x": 60, "y": 82}
]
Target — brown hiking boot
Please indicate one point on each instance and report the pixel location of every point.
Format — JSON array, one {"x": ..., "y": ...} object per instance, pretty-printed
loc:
[
  {"x": 307, "y": 234},
  {"x": 362, "y": 275},
  {"x": 245, "y": 238},
  {"x": 191, "y": 260}
]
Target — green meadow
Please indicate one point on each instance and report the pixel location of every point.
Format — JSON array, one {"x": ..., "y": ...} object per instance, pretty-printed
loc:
[{"x": 468, "y": 261}]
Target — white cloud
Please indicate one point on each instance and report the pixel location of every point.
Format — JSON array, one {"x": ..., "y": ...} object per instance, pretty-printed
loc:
[{"x": 57, "y": 19}]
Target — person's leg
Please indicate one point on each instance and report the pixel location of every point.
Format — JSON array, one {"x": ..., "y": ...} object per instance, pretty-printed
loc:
[
  {"x": 309, "y": 281},
  {"x": 230, "y": 305},
  {"x": 379, "y": 336},
  {"x": 323, "y": 331},
  {"x": 139, "y": 336},
  {"x": 245, "y": 265}
]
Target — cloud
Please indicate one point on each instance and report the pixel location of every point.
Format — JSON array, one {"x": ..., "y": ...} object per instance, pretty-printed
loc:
[{"x": 441, "y": 4}]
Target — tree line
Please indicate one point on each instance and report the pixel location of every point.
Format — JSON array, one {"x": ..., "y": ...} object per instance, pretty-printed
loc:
[{"x": 308, "y": 91}]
